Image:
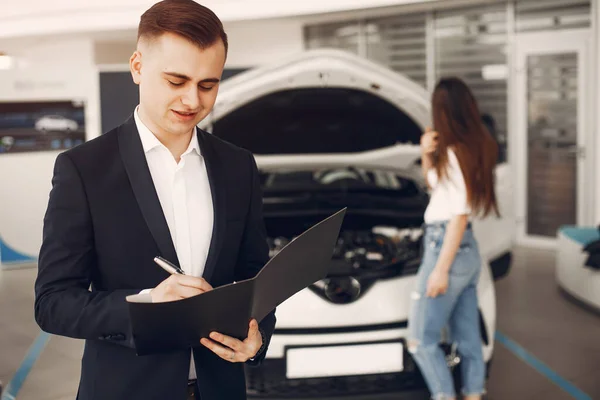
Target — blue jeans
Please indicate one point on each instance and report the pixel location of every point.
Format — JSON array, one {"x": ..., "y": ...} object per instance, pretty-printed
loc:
[{"x": 457, "y": 310}]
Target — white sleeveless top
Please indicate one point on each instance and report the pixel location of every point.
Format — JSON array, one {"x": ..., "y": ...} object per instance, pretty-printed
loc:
[{"x": 449, "y": 195}]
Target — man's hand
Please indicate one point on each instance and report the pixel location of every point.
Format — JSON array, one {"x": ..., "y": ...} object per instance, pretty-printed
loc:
[
  {"x": 437, "y": 283},
  {"x": 177, "y": 287},
  {"x": 234, "y": 350}
]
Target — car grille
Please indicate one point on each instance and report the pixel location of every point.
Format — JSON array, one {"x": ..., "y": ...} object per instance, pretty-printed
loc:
[{"x": 269, "y": 381}]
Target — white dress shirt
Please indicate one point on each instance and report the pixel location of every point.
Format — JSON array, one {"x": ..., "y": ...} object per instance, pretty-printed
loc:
[{"x": 185, "y": 197}]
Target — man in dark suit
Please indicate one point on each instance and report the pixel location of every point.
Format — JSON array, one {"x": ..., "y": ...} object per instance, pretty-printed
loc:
[{"x": 155, "y": 185}]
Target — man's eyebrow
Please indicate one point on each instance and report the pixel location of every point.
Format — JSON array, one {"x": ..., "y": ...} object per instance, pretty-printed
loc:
[
  {"x": 178, "y": 75},
  {"x": 187, "y": 78}
]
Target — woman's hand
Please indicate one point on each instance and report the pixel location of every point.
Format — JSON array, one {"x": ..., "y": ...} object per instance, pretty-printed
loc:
[
  {"x": 429, "y": 141},
  {"x": 437, "y": 284}
]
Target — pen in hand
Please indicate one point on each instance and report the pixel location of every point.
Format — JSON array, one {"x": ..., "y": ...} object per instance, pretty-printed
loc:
[
  {"x": 168, "y": 266},
  {"x": 178, "y": 285}
]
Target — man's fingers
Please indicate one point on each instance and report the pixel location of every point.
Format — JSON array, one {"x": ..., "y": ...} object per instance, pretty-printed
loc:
[
  {"x": 228, "y": 341},
  {"x": 192, "y": 281},
  {"x": 177, "y": 287},
  {"x": 253, "y": 328},
  {"x": 170, "y": 291},
  {"x": 223, "y": 352},
  {"x": 254, "y": 335},
  {"x": 185, "y": 291}
]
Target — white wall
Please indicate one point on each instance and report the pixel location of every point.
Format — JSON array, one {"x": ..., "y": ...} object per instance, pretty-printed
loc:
[
  {"x": 113, "y": 52},
  {"x": 57, "y": 70},
  {"x": 34, "y": 17},
  {"x": 251, "y": 43},
  {"x": 254, "y": 43},
  {"x": 596, "y": 103}
]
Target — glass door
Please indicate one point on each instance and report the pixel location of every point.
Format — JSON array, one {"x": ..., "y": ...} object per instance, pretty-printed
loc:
[{"x": 552, "y": 95}]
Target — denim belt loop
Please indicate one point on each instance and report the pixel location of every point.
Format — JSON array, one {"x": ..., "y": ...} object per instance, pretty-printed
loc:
[{"x": 442, "y": 225}]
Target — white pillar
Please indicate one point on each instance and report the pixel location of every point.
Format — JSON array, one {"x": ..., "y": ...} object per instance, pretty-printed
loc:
[{"x": 595, "y": 65}]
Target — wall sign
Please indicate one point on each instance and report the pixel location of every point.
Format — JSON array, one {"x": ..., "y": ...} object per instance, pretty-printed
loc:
[{"x": 41, "y": 126}]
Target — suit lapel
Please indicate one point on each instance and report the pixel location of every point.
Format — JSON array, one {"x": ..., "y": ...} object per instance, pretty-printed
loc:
[
  {"x": 214, "y": 168},
  {"x": 134, "y": 160}
]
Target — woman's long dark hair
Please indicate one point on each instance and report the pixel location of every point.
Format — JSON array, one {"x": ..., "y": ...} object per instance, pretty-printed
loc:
[{"x": 457, "y": 120}]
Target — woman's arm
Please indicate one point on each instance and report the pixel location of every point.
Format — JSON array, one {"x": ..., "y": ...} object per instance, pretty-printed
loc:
[
  {"x": 438, "y": 280},
  {"x": 454, "y": 233}
]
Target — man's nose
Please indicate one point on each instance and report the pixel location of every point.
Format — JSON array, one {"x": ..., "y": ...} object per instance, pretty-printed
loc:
[{"x": 191, "y": 98}]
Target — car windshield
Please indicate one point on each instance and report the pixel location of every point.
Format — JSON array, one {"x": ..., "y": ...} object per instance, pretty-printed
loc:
[{"x": 335, "y": 180}]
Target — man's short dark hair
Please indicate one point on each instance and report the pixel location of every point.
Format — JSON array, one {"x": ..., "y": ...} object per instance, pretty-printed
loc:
[{"x": 185, "y": 18}]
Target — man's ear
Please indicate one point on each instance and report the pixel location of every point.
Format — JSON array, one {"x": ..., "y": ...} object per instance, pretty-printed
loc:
[{"x": 135, "y": 66}]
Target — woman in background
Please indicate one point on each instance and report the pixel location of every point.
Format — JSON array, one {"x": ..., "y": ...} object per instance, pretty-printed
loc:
[{"x": 458, "y": 161}]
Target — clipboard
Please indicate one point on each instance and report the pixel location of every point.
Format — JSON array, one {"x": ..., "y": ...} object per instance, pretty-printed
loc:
[{"x": 228, "y": 309}]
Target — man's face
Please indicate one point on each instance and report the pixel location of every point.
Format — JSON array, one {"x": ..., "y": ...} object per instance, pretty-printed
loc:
[{"x": 178, "y": 82}]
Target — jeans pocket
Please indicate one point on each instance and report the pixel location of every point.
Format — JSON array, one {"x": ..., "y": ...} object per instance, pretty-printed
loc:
[
  {"x": 434, "y": 239},
  {"x": 464, "y": 246},
  {"x": 467, "y": 243},
  {"x": 466, "y": 262}
]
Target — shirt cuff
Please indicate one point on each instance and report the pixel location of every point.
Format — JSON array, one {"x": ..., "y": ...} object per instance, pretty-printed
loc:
[{"x": 142, "y": 297}]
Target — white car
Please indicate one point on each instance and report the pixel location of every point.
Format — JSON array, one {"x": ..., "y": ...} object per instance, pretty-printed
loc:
[
  {"x": 332, "y": 130},
  {"x": 56, "y": 123},
  {"x": 6, "y": 142}
]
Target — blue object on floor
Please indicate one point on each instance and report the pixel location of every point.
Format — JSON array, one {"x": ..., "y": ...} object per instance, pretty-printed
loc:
[
  {"x": 14, "y": 386},
  {"x": 9, "y": 256},
  {"x": 542, "y": 368}
]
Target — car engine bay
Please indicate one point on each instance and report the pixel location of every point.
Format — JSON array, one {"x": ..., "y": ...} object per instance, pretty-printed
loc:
[{"x": 362, "y": 257}]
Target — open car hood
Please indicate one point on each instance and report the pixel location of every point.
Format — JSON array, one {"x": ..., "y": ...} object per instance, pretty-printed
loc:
[{"x": 323, "y": 108}]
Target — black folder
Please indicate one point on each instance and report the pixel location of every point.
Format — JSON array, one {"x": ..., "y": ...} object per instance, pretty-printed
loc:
[{"x": 176, "y": 325}]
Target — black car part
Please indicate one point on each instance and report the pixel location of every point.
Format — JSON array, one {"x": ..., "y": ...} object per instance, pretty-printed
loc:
[
  {"x": 361, "y": 258},
  {"x": 270, "y": 381}
]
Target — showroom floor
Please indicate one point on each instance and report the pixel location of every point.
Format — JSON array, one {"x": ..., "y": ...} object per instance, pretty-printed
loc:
[{"x": 547, "y": 347}]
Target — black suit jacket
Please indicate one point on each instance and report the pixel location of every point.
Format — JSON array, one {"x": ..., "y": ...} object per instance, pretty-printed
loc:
[{"x": 103, "y": 227}]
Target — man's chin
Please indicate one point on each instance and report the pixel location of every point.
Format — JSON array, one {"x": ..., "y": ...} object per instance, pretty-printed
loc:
[{"x": 178, "y": 128}]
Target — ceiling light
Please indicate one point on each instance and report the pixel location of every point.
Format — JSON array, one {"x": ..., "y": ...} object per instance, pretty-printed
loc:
[{"x": 494, "y": 72}]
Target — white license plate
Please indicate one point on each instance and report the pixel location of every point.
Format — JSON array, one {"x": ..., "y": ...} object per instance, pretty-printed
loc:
[{"x": 363, "y": 359}]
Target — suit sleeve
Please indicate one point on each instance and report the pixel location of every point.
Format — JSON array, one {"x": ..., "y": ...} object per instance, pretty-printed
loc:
[
  {"x": 254, "y": 254},
  {"x": 64, "y": 304}
]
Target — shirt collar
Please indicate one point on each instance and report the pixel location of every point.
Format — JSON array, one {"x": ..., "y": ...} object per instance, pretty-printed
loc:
[
  {"x": 150, "y": 141},
  {"x": 194, "y": 145}
]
